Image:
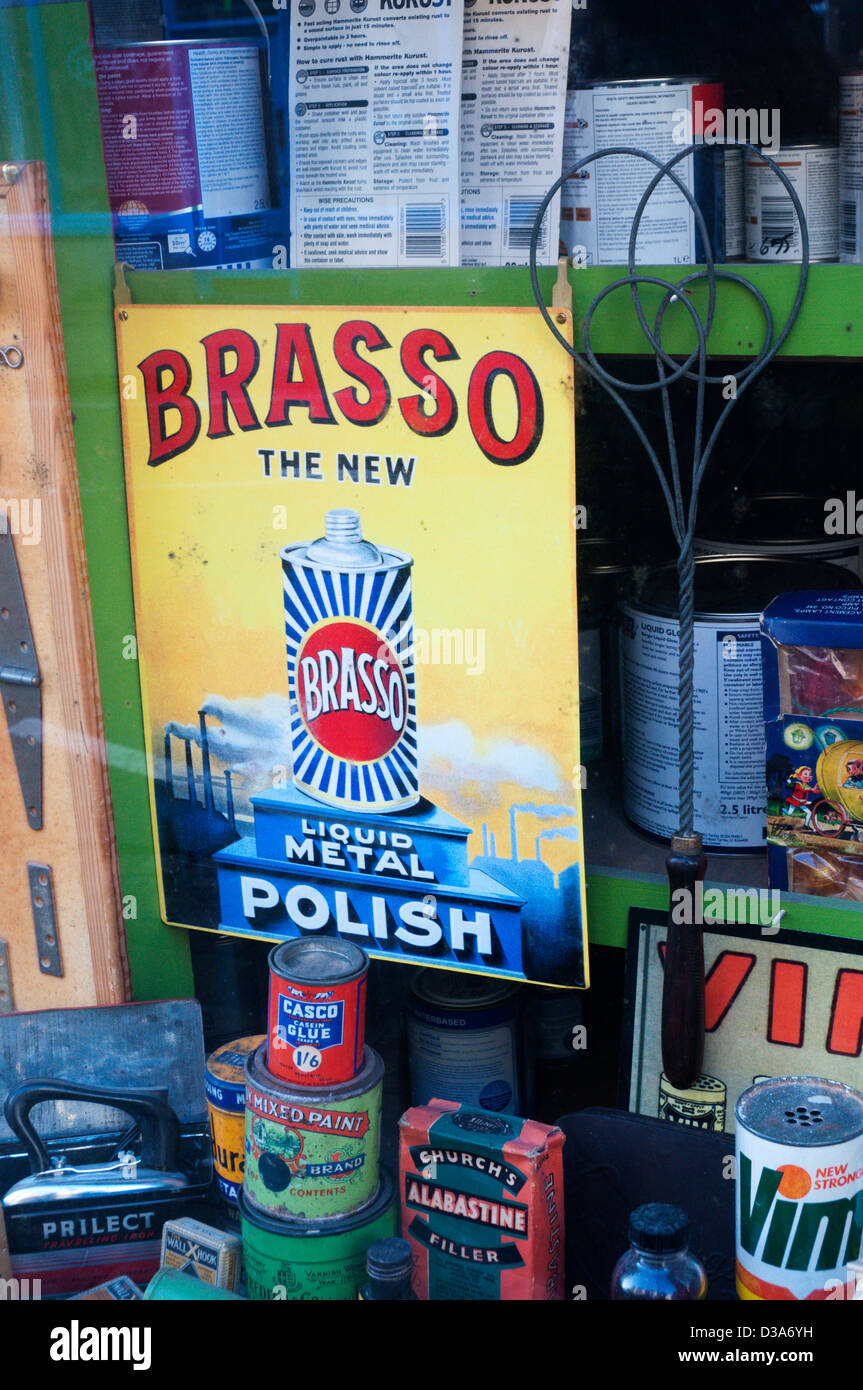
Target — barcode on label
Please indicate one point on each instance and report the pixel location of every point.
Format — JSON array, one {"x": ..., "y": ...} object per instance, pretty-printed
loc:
[
  {"x": 848, "y": 228},
  {"x": 424, "y": 230},
  {"x": 520, "y": 220},
  {"x": 778, "y": 223}
]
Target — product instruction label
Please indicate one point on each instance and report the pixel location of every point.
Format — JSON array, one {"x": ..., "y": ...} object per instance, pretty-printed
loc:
[
  {"x": 730, "y": 791},
  {"x": 772, "y": 224},
  {"x": 374, "y": 100},
  {"x": 513, "y": 95},
  {"x": 599, "y": 203}
]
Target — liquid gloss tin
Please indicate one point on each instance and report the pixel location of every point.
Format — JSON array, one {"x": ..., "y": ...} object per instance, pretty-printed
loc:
[{"x": 317, "y": 1009}]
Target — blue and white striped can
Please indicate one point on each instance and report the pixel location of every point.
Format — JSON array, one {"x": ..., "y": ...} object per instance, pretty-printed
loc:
[{"x": 349, "y": 635}]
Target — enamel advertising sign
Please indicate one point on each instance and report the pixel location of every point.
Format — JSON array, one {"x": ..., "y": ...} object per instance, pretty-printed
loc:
[{"x": 353, "y": 543}]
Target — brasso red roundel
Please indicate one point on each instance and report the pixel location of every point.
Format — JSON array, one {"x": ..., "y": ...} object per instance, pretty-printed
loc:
[
  {"x": 349, "y": 637},
  {"x": 351, "y": 690}
]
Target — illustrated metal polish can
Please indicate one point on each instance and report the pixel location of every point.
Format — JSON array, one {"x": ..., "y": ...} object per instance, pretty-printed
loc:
[
  {"x": 799, "y": 1200},
  {"x": 317, "y": 1011},
  {"x": 349, "y": 638}
]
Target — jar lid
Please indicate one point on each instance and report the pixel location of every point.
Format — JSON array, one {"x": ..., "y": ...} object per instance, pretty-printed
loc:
[
  {"x": 659, "y": 1228},
  {"x": 389, "y": 1260}
]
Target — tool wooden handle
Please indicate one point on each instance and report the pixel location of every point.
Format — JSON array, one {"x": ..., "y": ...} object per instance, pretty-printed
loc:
[{"x": 683, "y": 986}]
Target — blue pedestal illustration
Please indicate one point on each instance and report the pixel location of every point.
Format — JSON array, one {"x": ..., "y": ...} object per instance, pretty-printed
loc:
[{"x": 401, "y": 886}]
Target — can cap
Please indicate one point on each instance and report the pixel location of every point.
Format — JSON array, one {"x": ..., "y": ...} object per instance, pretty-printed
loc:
[
  {"x": 389, "y": 1261},
  {"x": 343, "y": 545},
  {"x": 659, "y": 1228}
]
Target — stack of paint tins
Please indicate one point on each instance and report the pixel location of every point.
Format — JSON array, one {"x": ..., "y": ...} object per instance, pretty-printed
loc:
[{"x": 314, "y": 1195}]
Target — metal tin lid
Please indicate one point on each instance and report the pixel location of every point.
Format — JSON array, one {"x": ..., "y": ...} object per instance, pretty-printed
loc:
[
  {"x": 794, "y": 520},
  {"x": 803, "y": 1111},
  {"x": 668, "y": 81},
  {"x": 224, "y": 1076},
  {"x": 318, "y": 960},
  {"x": 260, "y": 1078},
  {"x": 449, "y": 990},
  {"x": 740, "y": 586},
  {"x": 308, "y": 1227},
  {"x": 786, "y": 151}
]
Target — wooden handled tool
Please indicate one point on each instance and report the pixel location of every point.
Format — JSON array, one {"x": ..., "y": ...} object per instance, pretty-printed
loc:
[{"x": 683, "y": 990}]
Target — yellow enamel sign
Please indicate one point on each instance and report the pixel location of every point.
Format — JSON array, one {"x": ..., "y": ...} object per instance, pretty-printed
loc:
[{"x": 353, "y": 540}]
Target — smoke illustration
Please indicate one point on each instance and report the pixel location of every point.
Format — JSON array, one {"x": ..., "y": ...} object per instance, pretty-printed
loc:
[
  {"x": 564, "y": 832},
  {"x": 470, "y": 773},
  {"x": 252, "y": 736}
]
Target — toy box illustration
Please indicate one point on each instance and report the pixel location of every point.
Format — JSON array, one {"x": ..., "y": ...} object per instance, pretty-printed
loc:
[
  {"x": 813, "y": 709},
  {"x": 353, "y": 546}
]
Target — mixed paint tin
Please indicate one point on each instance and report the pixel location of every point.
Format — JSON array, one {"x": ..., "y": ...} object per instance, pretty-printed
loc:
[
  {"x": 799, "y": 1207},
  {"x": 730, "y": 790},
  {"x": 772, "y": 224},
  {"x": 225, "y": 1085},
  {"x": 349, "y": 641},
  {"x": 312, "y": 1154},
  {"x": 310, "y": 1260},
  {"x": 463, "y": 1040},
  {"x": 317, "y": 1009},
  {"x": 185, "y": 154}
]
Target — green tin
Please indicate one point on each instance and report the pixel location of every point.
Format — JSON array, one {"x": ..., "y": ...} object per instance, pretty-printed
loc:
[
  {"x": 172, "y": 1284},
  {"x": 308, "y": 1260},
  {"x": 312, "y": 1154}
]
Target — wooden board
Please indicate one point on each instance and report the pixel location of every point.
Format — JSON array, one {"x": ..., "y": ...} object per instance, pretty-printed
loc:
[{"x": 38, "y": 485}]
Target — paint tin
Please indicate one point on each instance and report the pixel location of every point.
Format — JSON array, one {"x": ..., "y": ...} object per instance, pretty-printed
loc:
[
  {"x": 772, "y": 225},
  {"x": 699, "y": 1106},
  {"x": 463, "y": 1040},
  {"x": 312, "y": 1155},
  {"x": 603, "y": 579},
  {"x": 317, "y": 1012},
  {"x": 311, "y": 1260},
  {"x": 730, "y": 791},
  {"x": 185, "y": 154},
  {"x": 225, "y": 1085},
  {"x": 795, "y": 524},
  {"x": 171, "y": 1285},
  {"x": 851, "y": 167},
  {"x": 598, "y": 205},
  {"x": 349, "y": 639},
  {"x": 799, "y": 1201}
]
